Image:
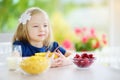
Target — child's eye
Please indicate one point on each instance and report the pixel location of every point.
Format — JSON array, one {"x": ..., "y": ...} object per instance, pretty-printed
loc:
[
  {"x": 45, "y": 25},
  {"x": 35, "y": 26}
]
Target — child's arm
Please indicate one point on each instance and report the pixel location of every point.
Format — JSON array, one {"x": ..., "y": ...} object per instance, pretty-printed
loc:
[
  {"x": 68, "y": 53},
  {"x": 55, "y": 46}
]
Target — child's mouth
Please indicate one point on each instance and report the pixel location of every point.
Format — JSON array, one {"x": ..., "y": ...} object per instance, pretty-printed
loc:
[{"x": 41, "y": 35}]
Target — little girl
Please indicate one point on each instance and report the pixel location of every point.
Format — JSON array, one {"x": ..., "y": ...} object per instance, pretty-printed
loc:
[{"x": 34, "y": 34}]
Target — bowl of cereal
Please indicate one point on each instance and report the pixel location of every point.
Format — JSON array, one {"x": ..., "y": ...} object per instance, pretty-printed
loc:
[{"x": 35, "y": 65}]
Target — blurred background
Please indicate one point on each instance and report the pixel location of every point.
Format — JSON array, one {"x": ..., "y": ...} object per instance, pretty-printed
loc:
[
  {"x": 70, "y": 19},
  {"x": 65, "y": 17}
]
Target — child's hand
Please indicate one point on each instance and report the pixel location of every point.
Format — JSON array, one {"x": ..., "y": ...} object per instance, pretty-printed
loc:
[{"x": 60, "y": 61}]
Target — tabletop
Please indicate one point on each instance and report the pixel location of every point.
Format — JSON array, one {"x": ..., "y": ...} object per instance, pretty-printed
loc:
[
  {"x": 71, "y": 72},
  {"x": 96, "y": 72}
]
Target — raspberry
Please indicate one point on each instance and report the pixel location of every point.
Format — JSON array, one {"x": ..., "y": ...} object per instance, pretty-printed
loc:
[
  {"x": 90, "y": 55},
  {"x": 77, "y": 56},
  {"x": 84, "y": 55}
]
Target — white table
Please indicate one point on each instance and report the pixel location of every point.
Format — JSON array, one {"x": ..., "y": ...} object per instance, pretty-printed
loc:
[{"x": 96, "y": 72}]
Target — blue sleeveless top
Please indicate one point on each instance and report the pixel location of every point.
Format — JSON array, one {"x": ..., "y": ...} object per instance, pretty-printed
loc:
[{"x": 29, "y": 50}]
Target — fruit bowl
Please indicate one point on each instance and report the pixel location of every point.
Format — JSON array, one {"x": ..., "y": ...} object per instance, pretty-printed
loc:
[
  {"x": 34, "y": 65},
  {"x": 83, "y": 60}
]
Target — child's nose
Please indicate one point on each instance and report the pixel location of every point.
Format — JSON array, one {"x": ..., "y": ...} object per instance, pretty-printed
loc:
[{"x": 41, "y": 28}]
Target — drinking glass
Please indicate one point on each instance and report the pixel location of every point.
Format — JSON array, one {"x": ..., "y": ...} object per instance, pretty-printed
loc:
[
  {"x": 14, "y": 59},
  {"x": 17, "y": 51}
]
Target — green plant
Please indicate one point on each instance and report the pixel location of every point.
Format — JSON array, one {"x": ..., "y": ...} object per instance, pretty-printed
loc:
[{"x": 88, "y": 40}]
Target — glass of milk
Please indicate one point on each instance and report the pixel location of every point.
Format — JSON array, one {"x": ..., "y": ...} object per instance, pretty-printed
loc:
[
  {"x": 14, "y": 59},
  {"x": 13, "y": 63},
  {"x": 17, "y": 51}
]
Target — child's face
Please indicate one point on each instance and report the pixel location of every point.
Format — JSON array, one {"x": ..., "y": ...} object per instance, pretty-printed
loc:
[{"x": 38, "y": 27}]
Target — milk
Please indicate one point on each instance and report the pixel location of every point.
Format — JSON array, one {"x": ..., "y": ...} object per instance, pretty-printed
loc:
[{"x": 13, "y": 62}]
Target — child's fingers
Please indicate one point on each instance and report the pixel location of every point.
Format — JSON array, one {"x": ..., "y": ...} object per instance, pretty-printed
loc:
[
  {"x": 59, "y": 61},
  {"x": 61, "y": 55},
  {"x": 47, "y": 54},
  {"x": 56, "y": 64},
  {"x": 59, "y": 64},
  {"x": 57, "y": 54},
  {"x": 53, "y": 55}
]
